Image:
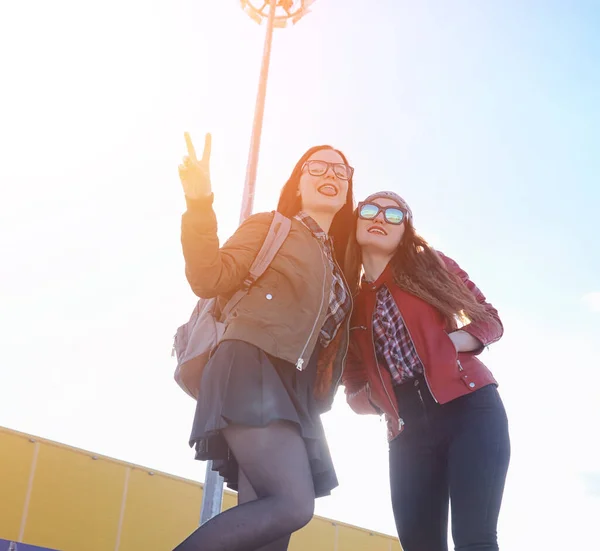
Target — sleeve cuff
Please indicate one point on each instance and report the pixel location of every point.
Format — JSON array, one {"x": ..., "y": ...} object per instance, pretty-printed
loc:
[
  {"x": 473, "y": 333},
  {"x": 200, "y": 205}
]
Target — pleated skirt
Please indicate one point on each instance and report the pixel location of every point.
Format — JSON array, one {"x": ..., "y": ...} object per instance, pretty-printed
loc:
[{"x": 242, "y": 385}]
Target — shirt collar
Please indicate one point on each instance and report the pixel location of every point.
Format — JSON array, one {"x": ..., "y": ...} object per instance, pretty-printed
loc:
[{"x": 312, "y": 225}]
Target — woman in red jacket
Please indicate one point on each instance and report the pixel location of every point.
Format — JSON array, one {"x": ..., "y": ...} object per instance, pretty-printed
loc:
[{"x": 417, "y": 328}]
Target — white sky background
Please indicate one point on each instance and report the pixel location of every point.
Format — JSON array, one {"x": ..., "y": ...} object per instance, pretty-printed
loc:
[{"x": 94, "y": 99}]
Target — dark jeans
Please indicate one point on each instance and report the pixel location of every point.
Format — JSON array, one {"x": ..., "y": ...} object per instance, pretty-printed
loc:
[{"x": 457, "y": 452}]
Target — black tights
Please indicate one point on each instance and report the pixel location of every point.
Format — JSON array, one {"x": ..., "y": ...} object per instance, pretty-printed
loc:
[{"x": 276, "y": 493}]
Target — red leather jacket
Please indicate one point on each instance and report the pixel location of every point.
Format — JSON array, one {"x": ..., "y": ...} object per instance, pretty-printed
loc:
[{"x": 448, "y": 374}]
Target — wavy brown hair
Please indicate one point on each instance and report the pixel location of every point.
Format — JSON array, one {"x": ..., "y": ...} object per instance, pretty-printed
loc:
[
  {"x": 421, "y": 271},
  {"x": 343, "y": 222}
]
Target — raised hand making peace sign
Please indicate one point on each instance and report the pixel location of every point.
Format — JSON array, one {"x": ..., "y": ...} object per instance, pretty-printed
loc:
[{"x": 194, "y": 173}]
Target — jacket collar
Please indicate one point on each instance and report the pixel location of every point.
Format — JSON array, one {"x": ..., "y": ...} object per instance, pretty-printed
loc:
[{"x": 386, "y": 278}]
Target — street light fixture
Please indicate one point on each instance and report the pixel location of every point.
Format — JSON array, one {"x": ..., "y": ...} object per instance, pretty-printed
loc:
[
  {"x": 278, "y": 14},
  {"x": 286, "y": 11}
]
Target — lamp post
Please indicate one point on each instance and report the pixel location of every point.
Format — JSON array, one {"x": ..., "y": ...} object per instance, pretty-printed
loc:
[{"x": 278, "y": 14}]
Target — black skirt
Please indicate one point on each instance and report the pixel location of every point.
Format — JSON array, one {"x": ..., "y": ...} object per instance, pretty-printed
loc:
[{"x": 242, "y": 385}]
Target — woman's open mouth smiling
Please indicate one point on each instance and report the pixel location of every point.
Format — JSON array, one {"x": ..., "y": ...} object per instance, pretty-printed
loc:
[
  {"x": 330, "y": 190},
  {"x": 378, "y": 230}
]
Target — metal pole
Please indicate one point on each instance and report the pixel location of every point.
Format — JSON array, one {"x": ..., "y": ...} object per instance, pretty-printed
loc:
[
  {"x": 212, "y": 495},
  {"x": 248, "y": 200}
]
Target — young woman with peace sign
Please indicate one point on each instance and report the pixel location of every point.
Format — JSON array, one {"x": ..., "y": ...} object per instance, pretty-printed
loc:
[{"x": 279, "y": 365}]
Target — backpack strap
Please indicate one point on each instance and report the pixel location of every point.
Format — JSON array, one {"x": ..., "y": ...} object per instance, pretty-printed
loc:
[{"x": 277, "y": 234}]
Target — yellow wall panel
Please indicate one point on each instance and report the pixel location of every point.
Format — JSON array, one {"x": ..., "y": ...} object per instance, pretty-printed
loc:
[
  {"x": 83, "y": 504},
  {"x": 355, "y": 539},
  {"x": 15, "y": 466},
  {"x": 75, "y": 502},
  {"x": 318, "y": 535},
  {"x": 229, "y": 500},
  {"x": 160, "y": 512}
]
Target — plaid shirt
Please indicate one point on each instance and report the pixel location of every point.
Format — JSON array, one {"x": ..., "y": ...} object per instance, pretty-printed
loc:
[
  {"x": 340, "y": 302},
  {"x": 393, "y": 344}
]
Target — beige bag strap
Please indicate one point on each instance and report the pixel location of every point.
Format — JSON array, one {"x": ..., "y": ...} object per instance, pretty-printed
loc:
[{"x": 277, "y": 234}]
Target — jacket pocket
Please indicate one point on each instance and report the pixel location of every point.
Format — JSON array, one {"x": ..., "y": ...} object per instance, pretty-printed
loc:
[
  {"x": 452, "y": 349},
  {"x": 474, "y": 374},
  {"x": 370, "y": 398}
]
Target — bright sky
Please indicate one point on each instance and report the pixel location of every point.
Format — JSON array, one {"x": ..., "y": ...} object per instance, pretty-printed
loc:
[{"x": 483, "y": 115}]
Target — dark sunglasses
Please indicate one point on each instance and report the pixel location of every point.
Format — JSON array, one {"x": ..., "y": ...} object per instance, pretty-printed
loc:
[
  {"x": 318, "y": 168},
  {"x": 370, "y": 211}
]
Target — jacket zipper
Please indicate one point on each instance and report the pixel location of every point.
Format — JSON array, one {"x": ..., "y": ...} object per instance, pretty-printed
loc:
[
  {"x": 423, "y": 406},
  {"x": 419, "y": 393},
  {"x": 348, "y": 316},
  {"x": 400, "y": 420},
  {"x": 417, "y": 353},
  {"x": 460, "y": 367},
  {"x": 337, "y": 384},
  {"x": 300, "y": 362}
]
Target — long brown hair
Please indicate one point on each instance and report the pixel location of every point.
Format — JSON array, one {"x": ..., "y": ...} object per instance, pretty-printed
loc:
[
  {"x": 419, "y": 270},
  {"x": 343, "y": 222}
]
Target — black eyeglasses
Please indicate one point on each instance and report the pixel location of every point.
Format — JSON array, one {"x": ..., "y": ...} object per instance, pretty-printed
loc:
[
  {"x": 370, "y": 211},
  {"x": 318, "y": 168}
]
